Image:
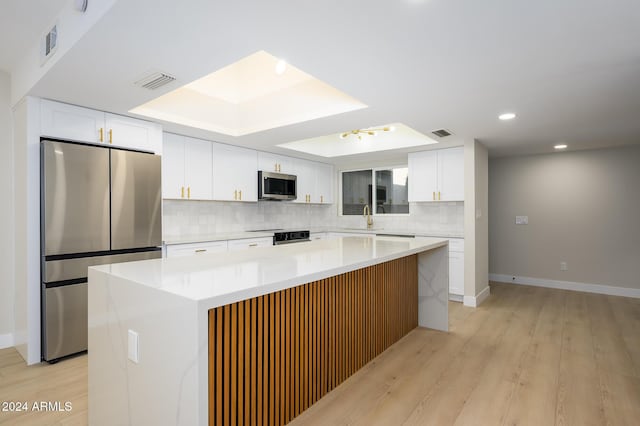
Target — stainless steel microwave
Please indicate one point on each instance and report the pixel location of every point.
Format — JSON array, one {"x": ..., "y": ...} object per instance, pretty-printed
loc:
[{"x": 276, "y": 186}]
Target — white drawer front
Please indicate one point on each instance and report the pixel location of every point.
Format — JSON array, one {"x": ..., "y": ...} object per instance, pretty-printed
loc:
[
  {"x": 179, "y": 250},
  {"x": 247, "y": 243}
]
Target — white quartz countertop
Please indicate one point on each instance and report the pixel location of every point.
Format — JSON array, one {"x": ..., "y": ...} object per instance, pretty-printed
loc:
[
  {"x": 222, "y": 236},
  {"x": 391, "y": 231},
  {"x": 219, "y": 279}
]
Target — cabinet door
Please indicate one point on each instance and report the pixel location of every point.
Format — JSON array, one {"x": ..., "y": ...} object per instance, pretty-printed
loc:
[
  {"x": 456, "y": 273},
  {"x": 306, "y": 180},
  {"x": 324, "y": 184},
  {"x": 173, "y": 163},
  {"x": 235, "y": 173},
  {"x": 198, "y": 172},
  {"x": 423, "y": 176},
  {"x": 451, "y": 174},
  {"x": 269, "y": 162},
  {"x": 131, "y": 133},
  {"x": 71, "y": 122}
]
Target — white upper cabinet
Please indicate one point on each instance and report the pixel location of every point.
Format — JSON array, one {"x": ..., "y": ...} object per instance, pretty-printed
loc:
[
  {"x": 66, "y": 121},
  {"x": 315, "y": 182},
  {"x": 71, "y": 122},
  {"x": 324, "y": 184},
  {"x": 130, "y": 133},
  {"x": 235, "y": 173},
  {"x": 436, "y": 175},
  {"x": 305, "y": 180},
  {"x": 451, "y": 174},
  {"x": 173, "y": 166},
  {"x": 269, "y": 162},
  {"x": 198, "y": 172},
  {"x": 186, "y": 168}
]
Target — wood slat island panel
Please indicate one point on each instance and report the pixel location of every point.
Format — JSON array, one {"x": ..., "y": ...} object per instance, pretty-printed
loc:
[{"x": 273, "y": 356}]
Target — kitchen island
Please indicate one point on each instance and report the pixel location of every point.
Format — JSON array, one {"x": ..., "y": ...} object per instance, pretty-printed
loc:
[{"x": 253, "y": 335}]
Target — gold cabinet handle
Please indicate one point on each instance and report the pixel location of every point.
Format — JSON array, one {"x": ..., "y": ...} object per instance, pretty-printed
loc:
[
  {"x": 322, "y": 199},
  {"x": 110, "y": 135},
  {"x": 235, "y": 194},
  {"x": 275, "y": 167},
  {"x": 434, "y": 195},
  {"x": 253, "y": 245},
  {"x": 188, "y": 192},
  {"x": 438, "y": 195},
  {"x": 101, "y": 134},
  {"x": 182, "y": 192},
  {"x": 240, "y": 193},
  {"x": 201, "y": 250}
]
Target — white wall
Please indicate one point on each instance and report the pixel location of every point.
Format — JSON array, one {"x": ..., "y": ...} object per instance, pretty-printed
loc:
[
  {"x": 583, "y": 209},
  {"x": 26, "y": 208},
  {"x": 6, "y": 215},
  {"x": 476, "y": 225},
  {"x": 72, "y": 25}
]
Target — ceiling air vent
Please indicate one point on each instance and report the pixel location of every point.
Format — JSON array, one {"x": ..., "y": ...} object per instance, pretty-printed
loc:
[
  {"x": 49, "y": 44},
  {"x": 442, "y": 133},
  {"x": 155, "y": 80}
]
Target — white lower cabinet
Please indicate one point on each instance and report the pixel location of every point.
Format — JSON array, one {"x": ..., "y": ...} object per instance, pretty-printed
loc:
[
  {"x": 208, "y": 247},
  {"x": 249, "y": 243},
  {"x": 456, "y": 268},
  {"x": 192, "y": 249}
]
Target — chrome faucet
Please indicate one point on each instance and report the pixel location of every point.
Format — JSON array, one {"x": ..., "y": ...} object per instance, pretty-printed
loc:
[{"x": 366, "y": 212}]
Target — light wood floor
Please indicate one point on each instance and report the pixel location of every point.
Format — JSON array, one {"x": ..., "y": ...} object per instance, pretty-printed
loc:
[{"x": 526, "y": 356}]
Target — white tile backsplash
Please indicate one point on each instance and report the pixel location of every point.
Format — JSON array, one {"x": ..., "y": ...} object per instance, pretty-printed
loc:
[
  {"x": 192, "y": 218},
  {"x": 183, "y": 218}
]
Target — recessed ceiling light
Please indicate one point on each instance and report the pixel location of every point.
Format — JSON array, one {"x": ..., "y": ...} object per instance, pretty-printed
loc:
[
  {"x": 560, "y": 146},
  {"x": 507, "y": 116},
  {"x": 281, "y": 67}
]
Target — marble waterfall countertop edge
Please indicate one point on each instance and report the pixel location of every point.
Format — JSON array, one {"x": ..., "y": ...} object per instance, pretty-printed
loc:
[{"x": 219, "y": 279}]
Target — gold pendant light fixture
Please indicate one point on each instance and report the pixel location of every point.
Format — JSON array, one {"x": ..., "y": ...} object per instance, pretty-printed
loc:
[{"x": 370, "y": 132}]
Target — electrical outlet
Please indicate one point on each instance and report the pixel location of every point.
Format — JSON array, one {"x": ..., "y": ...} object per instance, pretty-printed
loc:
[
  {"x": 563, "y": 266},
  {"x": 522, "y": 220}
]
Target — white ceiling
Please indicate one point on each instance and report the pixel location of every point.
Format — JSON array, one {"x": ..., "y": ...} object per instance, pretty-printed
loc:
[
  {"x": 570, "y": 69},
  {"x": 249, "y": 96},
  {"x": 21, "y": 24}
]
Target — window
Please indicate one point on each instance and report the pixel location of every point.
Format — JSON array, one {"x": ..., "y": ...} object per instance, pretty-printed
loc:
[{"x": 390, "y": 195}]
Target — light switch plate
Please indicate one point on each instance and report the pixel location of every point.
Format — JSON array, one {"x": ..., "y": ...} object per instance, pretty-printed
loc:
[
  {"x": 133, "y": 346},
  {"x": 522, "y": 220}
]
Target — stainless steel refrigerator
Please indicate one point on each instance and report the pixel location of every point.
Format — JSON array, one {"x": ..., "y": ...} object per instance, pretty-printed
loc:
[{"x": 99, "y": 205}]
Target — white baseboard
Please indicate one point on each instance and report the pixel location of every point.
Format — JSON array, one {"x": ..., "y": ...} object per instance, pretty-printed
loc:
[
  {"x": 6, "y": 340},
  {"x": 475, "y": 301},
  {"x": 455, "y": 297},
  {"x": 568, "y": 285}
]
